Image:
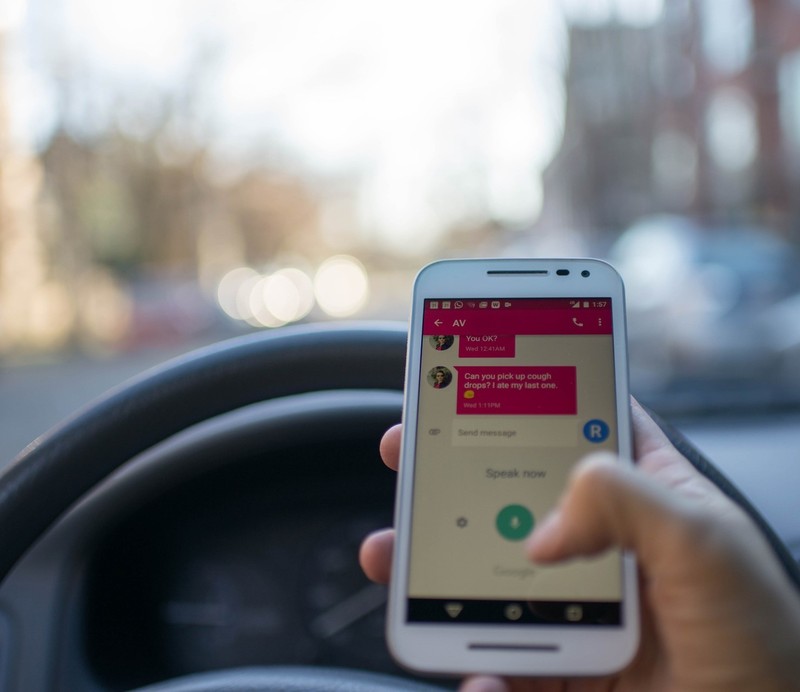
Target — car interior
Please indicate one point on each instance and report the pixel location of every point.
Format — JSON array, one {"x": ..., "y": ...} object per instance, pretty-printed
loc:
[
  {"x": 210, "y": 517},
  {"x": 211, "y": 215}
]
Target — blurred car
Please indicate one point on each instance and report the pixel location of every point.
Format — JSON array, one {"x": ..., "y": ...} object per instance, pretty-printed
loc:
[{"x": 703, "y": 306}]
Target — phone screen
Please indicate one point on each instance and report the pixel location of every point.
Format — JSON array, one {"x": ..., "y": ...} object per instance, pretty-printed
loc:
[{"x": 512, "y": 393}]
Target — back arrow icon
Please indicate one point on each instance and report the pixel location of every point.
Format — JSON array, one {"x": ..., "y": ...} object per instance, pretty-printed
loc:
[{"x": 437, "y": 322}]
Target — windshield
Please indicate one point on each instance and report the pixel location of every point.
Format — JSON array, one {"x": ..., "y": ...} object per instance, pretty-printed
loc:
[{"x": 181, "y": 171}]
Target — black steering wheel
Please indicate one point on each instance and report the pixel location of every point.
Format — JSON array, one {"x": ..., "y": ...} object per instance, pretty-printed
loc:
[{"x": 59, "y": 468}]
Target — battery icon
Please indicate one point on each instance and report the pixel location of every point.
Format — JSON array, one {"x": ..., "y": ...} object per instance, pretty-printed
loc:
[{"x": 586, "y": 303}]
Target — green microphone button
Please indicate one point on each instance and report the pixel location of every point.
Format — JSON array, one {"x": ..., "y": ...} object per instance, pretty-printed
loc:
[{"x": 514, "y": 522}]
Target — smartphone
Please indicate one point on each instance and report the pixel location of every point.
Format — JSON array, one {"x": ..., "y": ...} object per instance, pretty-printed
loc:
[{"x": 516, "y": 370}]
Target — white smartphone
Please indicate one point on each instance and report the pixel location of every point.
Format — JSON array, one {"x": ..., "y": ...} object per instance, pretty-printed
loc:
[{"x": 516, "y": 370}]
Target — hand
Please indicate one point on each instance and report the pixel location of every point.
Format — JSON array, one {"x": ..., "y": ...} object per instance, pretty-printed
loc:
[{"x": 718, "y": 612}]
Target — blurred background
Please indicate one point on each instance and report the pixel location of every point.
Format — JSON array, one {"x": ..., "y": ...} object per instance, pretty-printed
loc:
[{"x": 174, "y": 172}]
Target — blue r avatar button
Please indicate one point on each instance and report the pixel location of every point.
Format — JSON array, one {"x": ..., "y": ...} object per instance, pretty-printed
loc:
[{"x": 596, "y": 431}]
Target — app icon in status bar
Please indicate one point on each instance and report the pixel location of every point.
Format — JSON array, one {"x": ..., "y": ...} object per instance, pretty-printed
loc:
[{"x": 459, "y": 304}]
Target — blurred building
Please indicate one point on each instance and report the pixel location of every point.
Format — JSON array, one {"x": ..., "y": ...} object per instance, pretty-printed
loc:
[
  {"x": 33, "y": 310},
  {"x": 697, "y": 114},
  {"x": 51, "y": 295}
]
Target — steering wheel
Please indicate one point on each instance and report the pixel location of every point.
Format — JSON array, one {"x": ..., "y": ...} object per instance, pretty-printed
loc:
[{"x": 60, "y": 467}]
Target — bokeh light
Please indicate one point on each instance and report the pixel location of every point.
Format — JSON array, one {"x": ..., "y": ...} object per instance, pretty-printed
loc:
[
  {"x": 228, "y": 290},
  {"x": 341, "y": 286},
  {"x": 259, "y": 314},
  {"x": 244, "y": 302},
  {"x": 266, "y": 300},
  {"x": 289, "y": 294}
]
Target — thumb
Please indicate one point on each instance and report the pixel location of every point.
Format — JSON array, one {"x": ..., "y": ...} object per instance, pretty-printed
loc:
[{"x": 609, "y": 505}]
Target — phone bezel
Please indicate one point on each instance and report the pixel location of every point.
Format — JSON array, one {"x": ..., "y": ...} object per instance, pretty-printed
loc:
[{"x": 509, "y": 650}]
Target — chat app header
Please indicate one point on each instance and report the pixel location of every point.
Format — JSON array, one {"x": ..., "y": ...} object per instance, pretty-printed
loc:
[{"x": 503, "y": 317}]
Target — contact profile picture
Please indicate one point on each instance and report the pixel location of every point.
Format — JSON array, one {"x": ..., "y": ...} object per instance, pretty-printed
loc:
[
  {"x": 439, "y": 377},
  {"x": 441, "y": 342}
]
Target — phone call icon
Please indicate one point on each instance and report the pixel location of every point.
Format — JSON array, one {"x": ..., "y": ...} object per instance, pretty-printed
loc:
[{"x": 577, "y": 322}]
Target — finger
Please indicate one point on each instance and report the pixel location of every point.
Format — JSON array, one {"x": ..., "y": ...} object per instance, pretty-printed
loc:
[
  {"x": 647, "y": 436},
  {"x": 606, "y": 505},
  {"x": 483, "y": 683},
  {"x": 491, "y": 683},
  {"x": 657, "y": 456},
  {"x": 390, "y": 446},
  {"x": 375, "y": 555}
]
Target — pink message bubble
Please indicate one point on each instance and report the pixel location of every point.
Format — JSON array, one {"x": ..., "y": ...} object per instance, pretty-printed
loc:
[
  {"x": 486, "y": 346},
  {"x": 517, "y": 390}
]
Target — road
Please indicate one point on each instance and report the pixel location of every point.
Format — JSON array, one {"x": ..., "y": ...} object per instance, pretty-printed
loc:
[{"x": 36, "y": 396}]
